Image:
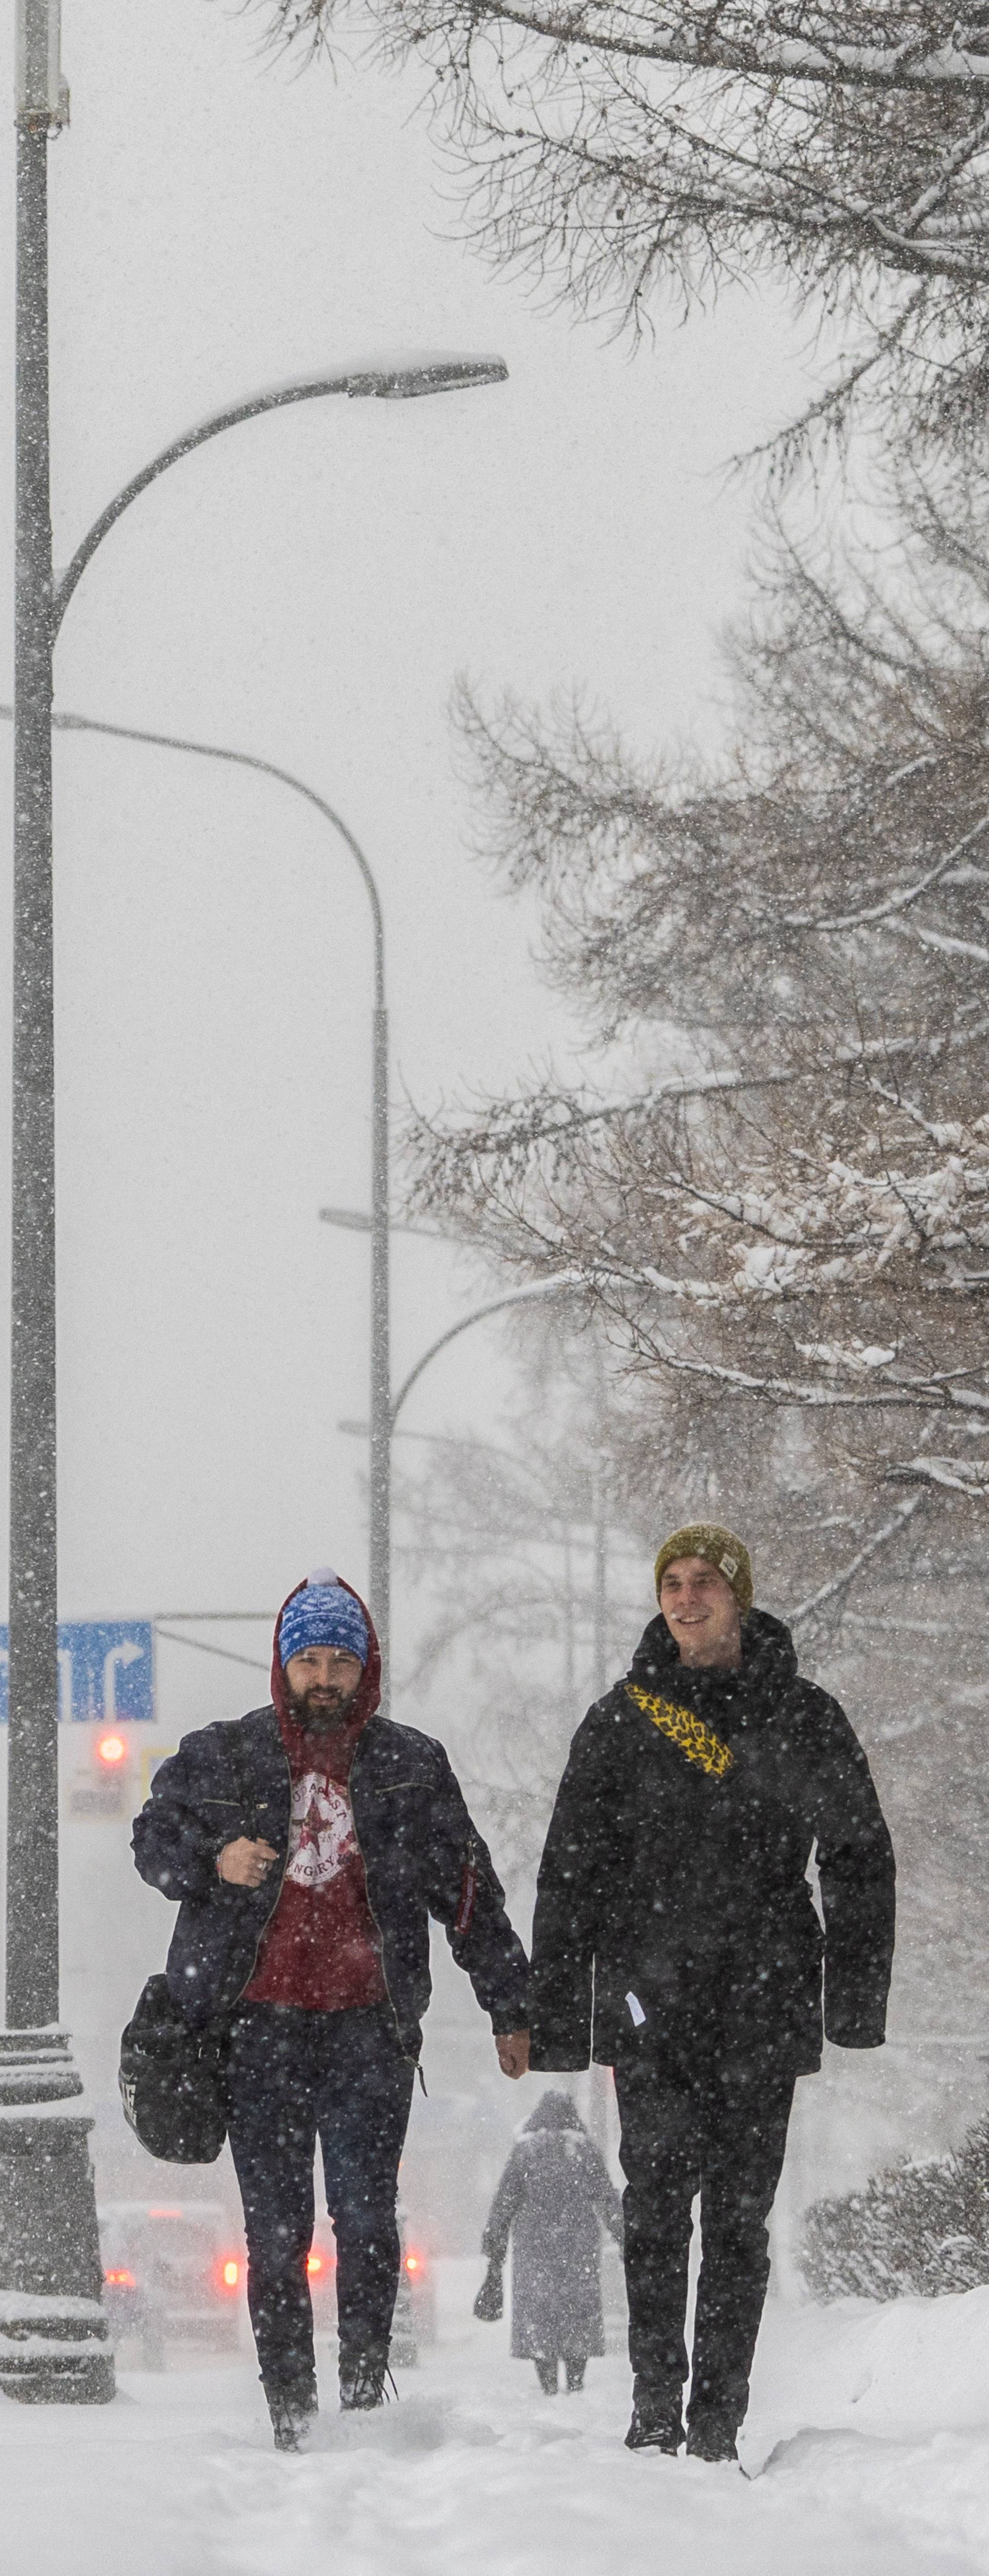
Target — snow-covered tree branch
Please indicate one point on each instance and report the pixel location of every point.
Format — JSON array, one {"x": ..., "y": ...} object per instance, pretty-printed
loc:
[
  {"x": 792, "y": 1210},
  {"x": 623, "y": 151}
]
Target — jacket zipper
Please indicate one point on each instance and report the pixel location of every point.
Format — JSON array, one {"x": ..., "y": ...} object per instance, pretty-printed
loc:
[
  {"x": 468, "y": 1891},
  {"x": 241, "y": 1989},
  {"x": 411, "y": 2061}
]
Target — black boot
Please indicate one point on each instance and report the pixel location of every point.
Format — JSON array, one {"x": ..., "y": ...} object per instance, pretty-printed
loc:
[
  {"x": 292, "y": 2406},
  {"x": 657, "y": 2419},
  {"x": 711, "y": 2434},
  {"x": 362, "y": 2379},
  {"x": 547, "y": 2375},
  {"x": 575, "y": 2369}
]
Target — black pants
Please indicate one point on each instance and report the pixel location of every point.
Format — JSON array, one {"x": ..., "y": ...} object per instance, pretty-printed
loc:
[
  {"x": 339, "y": 2076},
  {"x": 721, "y": 2132},
  {"x": 548, "y": 2374}
]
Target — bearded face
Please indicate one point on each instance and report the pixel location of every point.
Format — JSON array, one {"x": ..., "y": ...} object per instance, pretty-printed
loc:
[{"x": 322, "y": 1683}]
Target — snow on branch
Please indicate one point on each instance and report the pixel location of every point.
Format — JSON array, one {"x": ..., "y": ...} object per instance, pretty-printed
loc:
[
  {"x": 631, "y": 152},
  {"x": 831, "y": 1592},
  {"x": 955, "y": 1475},
  {"x": 797, "y": 1220}
]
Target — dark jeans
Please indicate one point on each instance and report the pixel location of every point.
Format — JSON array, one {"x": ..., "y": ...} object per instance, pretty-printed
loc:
[
  {"x": 339, "y": 2076},
  {"x": 721, "y": 2132}
]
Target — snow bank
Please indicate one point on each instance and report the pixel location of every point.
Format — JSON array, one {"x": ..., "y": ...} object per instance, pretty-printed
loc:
[{"x": 872, "y": 2425}]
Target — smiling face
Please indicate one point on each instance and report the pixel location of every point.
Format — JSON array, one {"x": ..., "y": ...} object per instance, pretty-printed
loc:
[
  {"x": 701, "y": 1613},
  {"x": 322, "y": 1681}
]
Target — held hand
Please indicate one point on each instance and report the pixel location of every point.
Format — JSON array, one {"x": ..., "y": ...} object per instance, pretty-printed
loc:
[
  {"x": 245, "y": 1864},
  {"x": 513, "y": 2052}
]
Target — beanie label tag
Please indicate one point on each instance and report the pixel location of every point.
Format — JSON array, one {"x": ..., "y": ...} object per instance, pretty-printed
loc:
[{"x": 729, "y": 1566}]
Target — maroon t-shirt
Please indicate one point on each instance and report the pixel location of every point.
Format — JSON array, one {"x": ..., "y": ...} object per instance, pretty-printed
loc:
[{"x": 321, "y": 1948}]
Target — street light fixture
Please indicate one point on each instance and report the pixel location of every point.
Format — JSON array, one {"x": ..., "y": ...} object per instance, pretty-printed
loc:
[
  {"x": 398, "y": 380},
  {"x": 354, "y": 1220},
  {"x": 48, "y": 2242},
  {"x": 564, "y": 1283}
]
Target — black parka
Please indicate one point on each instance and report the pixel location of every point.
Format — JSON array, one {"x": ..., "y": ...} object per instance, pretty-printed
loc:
[
  {"x": 422, "y": 1856},
  {"x": 673, "y": 1910}
]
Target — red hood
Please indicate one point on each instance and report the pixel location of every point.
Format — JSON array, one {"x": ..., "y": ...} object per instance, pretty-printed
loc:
[{"x": 296, "y": 1740}]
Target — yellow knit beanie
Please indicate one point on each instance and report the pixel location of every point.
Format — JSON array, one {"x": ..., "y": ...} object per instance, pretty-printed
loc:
[{"x": 720, "y": 1546}]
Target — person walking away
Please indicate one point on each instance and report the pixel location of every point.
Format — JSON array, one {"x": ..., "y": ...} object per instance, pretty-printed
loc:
[
  {"x": 307, "y": 1844},
  {"x": 676, "y": 1938},
  {"x": 553, "y": 2198}
]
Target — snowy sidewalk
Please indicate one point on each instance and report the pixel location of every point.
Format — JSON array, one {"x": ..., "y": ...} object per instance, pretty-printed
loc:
[{"x": 875, "y": 2422}]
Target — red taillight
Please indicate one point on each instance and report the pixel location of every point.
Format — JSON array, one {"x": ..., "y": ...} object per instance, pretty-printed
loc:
[
  {"x": 314, "y": 2264},
  {"x": 120, "y": 2280},
  {"x": 230, "y": 2274},
  {"x": 111, "y": 1750},
  {"x": 414, "y": 2263}
]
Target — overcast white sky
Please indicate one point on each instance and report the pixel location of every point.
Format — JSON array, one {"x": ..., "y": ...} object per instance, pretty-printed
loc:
[{"x": 307, "y": 588}]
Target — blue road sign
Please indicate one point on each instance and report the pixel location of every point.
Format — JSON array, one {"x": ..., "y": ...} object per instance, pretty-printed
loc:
[{"x": 106, "y": 1670}]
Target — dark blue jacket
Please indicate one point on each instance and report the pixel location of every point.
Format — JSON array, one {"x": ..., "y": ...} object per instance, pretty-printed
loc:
[{"x": 422, "y": 1856}]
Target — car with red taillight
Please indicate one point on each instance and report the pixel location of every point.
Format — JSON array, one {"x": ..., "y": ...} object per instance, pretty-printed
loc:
[
  {"x": 414, "y": 2321},
  {"x": 172, "y": 2273}
]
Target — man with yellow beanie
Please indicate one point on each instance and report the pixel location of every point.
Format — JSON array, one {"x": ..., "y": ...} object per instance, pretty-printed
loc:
[{"x": 676, "y": 1939}]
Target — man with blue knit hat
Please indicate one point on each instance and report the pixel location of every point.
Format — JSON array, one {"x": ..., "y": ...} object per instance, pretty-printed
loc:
[{"x": 308, "y": 1844}]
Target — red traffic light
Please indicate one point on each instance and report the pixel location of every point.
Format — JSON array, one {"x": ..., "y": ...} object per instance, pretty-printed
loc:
[{"x": 111, "y": 1750}]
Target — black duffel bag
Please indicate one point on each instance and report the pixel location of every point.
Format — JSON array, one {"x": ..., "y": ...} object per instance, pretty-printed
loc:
[{"x": 173, "y": 2080}]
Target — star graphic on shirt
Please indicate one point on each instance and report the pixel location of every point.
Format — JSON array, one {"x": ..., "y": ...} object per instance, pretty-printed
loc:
[{"x": 322, "y": 1839}]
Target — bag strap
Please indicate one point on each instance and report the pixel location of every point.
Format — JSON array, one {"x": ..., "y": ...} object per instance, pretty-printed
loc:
[
  {"x": 238, "y": 1765},
  {"x": 686, "y": 1730}
]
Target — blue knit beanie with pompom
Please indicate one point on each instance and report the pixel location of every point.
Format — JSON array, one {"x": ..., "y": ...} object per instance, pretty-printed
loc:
[{"x": 324, "y": 1613}]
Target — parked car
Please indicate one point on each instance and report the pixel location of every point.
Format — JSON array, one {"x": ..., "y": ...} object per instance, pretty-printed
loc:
[
  {"x": 171, "y": 2274},
  {"x": 414, "y": 2321},
  {"x": 176, "y": 2274}
]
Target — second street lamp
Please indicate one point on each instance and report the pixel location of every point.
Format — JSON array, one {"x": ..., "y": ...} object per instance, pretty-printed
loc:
[{"x": 377, "y": 1224}]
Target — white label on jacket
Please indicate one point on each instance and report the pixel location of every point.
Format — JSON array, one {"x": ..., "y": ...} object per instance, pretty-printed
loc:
[
  {"x": 635, "y": 2008},
  {"x": 321, "y": 1838}
]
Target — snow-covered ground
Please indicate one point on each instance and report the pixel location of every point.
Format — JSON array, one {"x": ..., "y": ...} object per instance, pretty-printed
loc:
[{"x": 872, "y": 2423}]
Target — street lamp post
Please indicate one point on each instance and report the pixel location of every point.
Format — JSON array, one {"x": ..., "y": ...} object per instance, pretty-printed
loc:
[{"x": 53, "y": 2339}]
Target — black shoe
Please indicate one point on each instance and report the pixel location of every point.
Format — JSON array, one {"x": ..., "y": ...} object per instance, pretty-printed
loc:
[
  {"x": 362, "y": 2379},
  {"x": 292, "y": 2408},
  {"x": 657, "y": 2420},
  {"x": 712, "y": 2437},
  {"x": 548, "y": 2374},
  {"x": 575, "y": 2376}
]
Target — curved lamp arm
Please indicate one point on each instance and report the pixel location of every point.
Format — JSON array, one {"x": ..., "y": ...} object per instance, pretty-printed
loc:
[
  {"x": 268, "y": 769},
  {"x": 568, "y": 1283},
  {"x": 399, "y": 383}
]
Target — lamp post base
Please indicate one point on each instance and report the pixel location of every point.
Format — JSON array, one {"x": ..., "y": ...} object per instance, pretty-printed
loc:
[{"x": 54, "y": 2345}]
